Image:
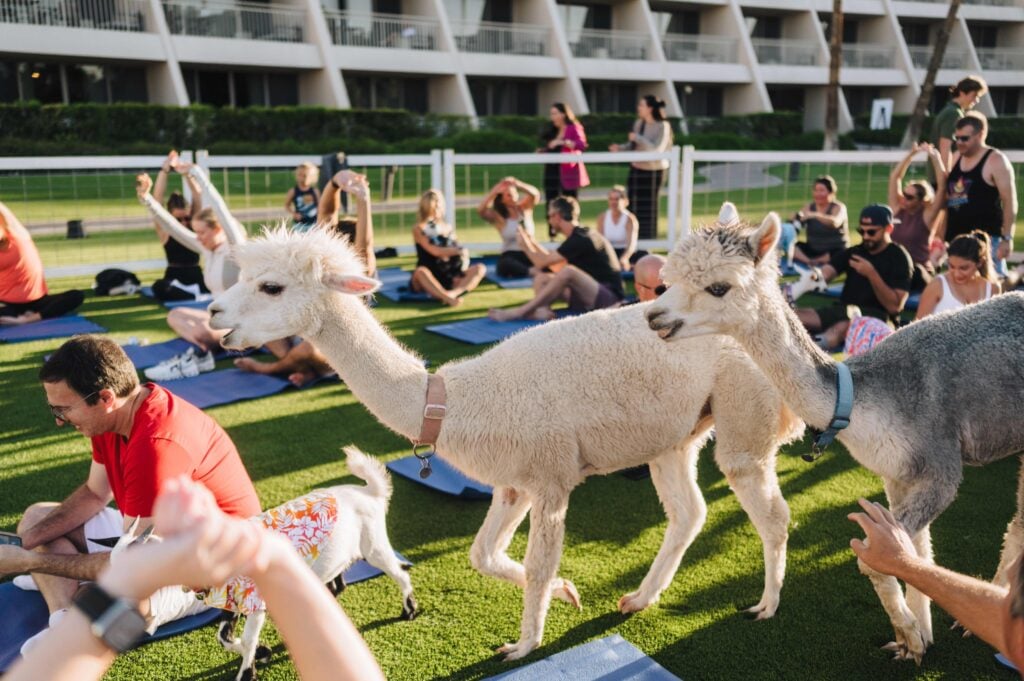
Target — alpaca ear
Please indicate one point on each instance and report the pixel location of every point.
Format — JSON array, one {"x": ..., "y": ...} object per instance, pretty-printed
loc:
[
  {"x": 764, "y": 239},
  {"x": 352, "y": 284},
  {"x": 728, "y": 214}
]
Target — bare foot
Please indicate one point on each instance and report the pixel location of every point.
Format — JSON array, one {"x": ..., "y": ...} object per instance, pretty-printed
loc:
[
  {"x": 542, "y": 314},
  {"x": 301, "y": 378},
  {"x": 249, "y": 364},
  {"x": 25, "y": 318},
  {"x": 500, "y": 315}
]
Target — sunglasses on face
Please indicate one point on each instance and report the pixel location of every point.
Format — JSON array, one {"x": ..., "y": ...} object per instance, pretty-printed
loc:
[
  {"x": 658, "y": 290},
  {"x": 963, "y": 138},
  {"x": 869, "y": 231},
  {"x": 60, "y": 413}
]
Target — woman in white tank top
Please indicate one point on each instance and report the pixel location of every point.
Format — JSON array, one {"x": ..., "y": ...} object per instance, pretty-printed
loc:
[
  {"x": 619, "y": 227},
  {"x": 968, "y": 281},
  {"x": 509, "y": 207}
]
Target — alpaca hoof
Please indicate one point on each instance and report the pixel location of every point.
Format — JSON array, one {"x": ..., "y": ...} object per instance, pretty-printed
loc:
[
  {"x": 248, "y": 674},
  {"x": 263, "y": 655},
  {"x": 633, "y": 602},
  {"x": 567, "y": 592},
  {"x": 902, "y": 651},
  {"x": 410, "y": 609},
  {"x": 956, "y": 626},
  {"x": 762, "y": 611},
  {"x": 515, "y": 651}
]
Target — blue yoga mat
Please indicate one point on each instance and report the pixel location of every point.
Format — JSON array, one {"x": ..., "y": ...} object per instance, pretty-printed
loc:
[
  {"x": 145, "y": 356},
  {"x": 445, "y": 478},
  {"x": 224, "y": 387},
  {"x": 609, "y": 659},
  {"x": 362, "y": 571},
  {"x": 836, "y": 290},
  {"x": 147, "y": 292},
  {"x": 58, "y": 327},
  {"x": 1003, "y": 660},
  {"x": 25, "y": 615},
  {"x": 481, "y": 330},
  {"x": 395, "y": 287},
  {"x": 505, "y": 282}
]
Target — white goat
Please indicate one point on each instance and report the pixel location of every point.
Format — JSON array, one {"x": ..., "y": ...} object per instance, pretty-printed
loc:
[
  {"x": 353, "y": 515},
  {"x": 537, "y": 414}
]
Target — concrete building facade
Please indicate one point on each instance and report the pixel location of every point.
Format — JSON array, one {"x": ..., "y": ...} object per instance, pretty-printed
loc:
[{"x": 483, "y": 57}]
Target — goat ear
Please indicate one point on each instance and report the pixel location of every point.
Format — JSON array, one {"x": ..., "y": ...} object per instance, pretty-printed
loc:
[
  {"x": 352, "y": 284},
  {"x": 764, "y": 238}
]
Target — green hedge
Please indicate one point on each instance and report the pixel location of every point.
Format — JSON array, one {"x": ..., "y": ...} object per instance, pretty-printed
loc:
[
  {"x": 1004, "y": 133},
  {"x": 31, "y": 129}
]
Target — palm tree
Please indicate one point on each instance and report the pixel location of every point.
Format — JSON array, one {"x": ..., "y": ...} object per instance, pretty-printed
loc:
[
  {"x": 834, "y": 63},
  {"x": 941, "y": 40}
]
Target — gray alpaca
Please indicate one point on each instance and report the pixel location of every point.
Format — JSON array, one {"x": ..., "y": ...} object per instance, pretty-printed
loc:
[{"x": 939, "y": 394}]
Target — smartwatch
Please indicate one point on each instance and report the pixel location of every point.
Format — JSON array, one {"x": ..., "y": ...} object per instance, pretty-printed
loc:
[{"x": 115, "y": 621}]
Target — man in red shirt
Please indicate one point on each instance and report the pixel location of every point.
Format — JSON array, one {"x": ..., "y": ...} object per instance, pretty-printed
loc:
[{"x": 142, "y": 436}]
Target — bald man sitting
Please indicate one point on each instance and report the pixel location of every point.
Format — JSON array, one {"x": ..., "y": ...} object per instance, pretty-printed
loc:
[{"x": 647, "y": 277}]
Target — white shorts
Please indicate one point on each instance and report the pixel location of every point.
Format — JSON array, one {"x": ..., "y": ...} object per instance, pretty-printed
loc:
[{"x": 107, "y": 524}]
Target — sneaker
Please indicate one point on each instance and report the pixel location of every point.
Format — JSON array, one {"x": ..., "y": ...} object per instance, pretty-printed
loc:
[{"x": 185, "y": 365}]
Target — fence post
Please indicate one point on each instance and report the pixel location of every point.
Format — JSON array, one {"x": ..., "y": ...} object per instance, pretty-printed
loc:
[
  {"x": 673, "y": 196},
  {"x": 436, "y": 169},
  {"x": 448, "y": 187},
  {"x": 686, "y": 194}
]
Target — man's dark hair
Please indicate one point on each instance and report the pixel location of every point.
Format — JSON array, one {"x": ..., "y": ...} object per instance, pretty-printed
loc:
[
  {"x": 567, "y": 207},
  {"x": 89, "y": 364},
  {"x": 176, "y": 202},
  {"x": 974, "y": 120},
  {"x": 969, "y": 84}
]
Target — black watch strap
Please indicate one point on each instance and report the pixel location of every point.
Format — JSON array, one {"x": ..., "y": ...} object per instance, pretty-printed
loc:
[{"x": 115, "y": 621}]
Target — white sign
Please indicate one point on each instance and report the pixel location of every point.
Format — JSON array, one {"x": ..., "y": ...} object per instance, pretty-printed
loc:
[{"x": 881, "y": 114}]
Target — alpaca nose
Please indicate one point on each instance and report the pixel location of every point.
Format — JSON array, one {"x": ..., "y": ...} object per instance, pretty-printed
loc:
[
  {"x": 214, "y": 309},
  {"x": 653, "y": 315}
]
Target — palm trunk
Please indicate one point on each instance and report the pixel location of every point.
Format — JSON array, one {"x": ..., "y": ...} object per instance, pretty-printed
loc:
[
  {"x": 941, "y": 40},
  {"x": 835, "y": 62}
]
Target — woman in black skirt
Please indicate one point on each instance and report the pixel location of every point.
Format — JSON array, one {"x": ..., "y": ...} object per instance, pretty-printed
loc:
[{"x": 651, "y": 132}]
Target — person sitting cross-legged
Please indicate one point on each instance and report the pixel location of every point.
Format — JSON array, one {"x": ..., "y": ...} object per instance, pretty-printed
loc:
[
  {"x": 584, "y": 269},
  {"x": 878, "y": 276},
  {"x": 142, "y": 435}
]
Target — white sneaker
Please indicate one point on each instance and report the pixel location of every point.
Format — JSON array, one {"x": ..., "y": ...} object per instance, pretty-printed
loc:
[
  {"x": 26, "y": 583},
  {"x": 31, "y": 643},
  {"x": 185, "y": 365}
]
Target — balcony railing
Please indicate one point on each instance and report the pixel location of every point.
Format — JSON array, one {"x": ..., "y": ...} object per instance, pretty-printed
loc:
[
  {"x": 400, "y": 31},
  {"x": 241, "y": 20},
  {"x": 869, "y": 56},
  {"x": 107, "y": 15},
  {"x": 693, "y": 48},
  {"x": 593, "y": 43},
  {"x": 496, "y": 37},
  {"x": 954, "y": 58},
  {"x": 790, "y": 52},
  {"x": 1001, "y": 58}
]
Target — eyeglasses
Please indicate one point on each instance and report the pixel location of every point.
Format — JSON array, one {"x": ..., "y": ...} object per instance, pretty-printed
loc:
[
  {"x": 60, "y": 413},
  {"x": 963, "y": 138},
  {"x": 869, "y": 231},
  {"x": 658, "y": 290}
]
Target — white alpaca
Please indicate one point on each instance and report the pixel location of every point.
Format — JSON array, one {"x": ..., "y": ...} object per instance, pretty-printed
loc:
[
  {"x": 539, "y": 413},
  {"x": 937, "y": 395},
  {"x": 354, "y": 518}
]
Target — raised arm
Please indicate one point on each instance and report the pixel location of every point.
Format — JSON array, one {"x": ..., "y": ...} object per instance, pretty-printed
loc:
[
  {"x": 531, "y": 195},
  {"x": 486, "y": 208},
  {"x": 938, "y": 204},
  {"x": 898, "y": 173},
  {"x": 165, "y": 220},
  {"x": 233, "y": 229}
]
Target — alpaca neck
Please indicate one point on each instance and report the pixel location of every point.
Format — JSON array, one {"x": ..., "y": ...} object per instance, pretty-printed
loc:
[
  {"x": 389, "y": 380},
  {"x": 801, "y": 371}
]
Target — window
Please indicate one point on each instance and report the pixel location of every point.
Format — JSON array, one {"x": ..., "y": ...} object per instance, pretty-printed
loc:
[
  {"x": 677, "y": 23},
  {"x": 501, "y": 97},
  {"x": 9, "y": 81},
  {"x": 41, "y": 82},
  {"x": 241, "y": 88},
  {"x": 984, "y": 35},
  {"x": 766, "y": 27},
  {"x": 700, "y": 100},
  {"x": 916, "y": 34},
  {"x": 86, "y": 83},
  {"x": 611, "y": 97},
  {"x": 383, "y": 92},
  {"x": 786, "y": 98},
  {"x": 1007, "y": 100}
]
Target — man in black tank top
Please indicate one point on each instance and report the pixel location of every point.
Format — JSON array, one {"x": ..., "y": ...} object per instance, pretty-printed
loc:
[{"x": 980, "y": 191}]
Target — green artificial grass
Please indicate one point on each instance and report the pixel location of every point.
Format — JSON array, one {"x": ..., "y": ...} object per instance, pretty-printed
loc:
[{"x": 829, "y": 626}]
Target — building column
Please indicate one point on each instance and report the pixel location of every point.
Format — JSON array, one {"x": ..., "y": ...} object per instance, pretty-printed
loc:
[{"x": 164, "y": 80}]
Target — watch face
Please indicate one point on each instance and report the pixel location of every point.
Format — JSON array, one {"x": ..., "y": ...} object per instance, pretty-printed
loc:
[{"x": 120, "y": 626}]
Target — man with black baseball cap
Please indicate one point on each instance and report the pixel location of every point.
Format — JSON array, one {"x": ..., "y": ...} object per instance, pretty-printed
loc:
[{"x": 878, "y": 276}]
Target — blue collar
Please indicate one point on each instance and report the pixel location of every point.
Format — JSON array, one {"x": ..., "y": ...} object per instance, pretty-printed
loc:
[{"x": 841, "y": 415}]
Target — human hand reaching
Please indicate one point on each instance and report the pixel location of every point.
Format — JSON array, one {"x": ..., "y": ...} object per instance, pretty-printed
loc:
[
  {"x": 143, "y": 185},
  {"x": 886, "y": 546}
]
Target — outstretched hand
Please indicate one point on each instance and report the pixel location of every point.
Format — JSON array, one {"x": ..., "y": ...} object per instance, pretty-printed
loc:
[
  {"x": 201, "y": 546},
  {"x": 143, "y": 184},
  {"x": 886, "y": 546}
]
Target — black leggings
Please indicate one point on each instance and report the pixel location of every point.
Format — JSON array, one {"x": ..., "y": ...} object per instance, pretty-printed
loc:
[
  {"x": 514, "y": 265},
  {"x": 187, "y": 275},
  {"x": 642, "y": 189},
  {"x": 49, "y": 306}
]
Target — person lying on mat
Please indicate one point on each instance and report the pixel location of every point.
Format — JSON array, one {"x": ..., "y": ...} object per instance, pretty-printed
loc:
[
  {"x": 584, "y": 265},
  {"x": 993, "y": 613},
  {"x": 214, "y": 231},
  {"x": 142, "y": 436},
  {"x": 300, "y": 361},
  {"x": 24, "y": 296},
  {"x": 647, "y": 277},
  {"x": 201, "y": 547}
]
